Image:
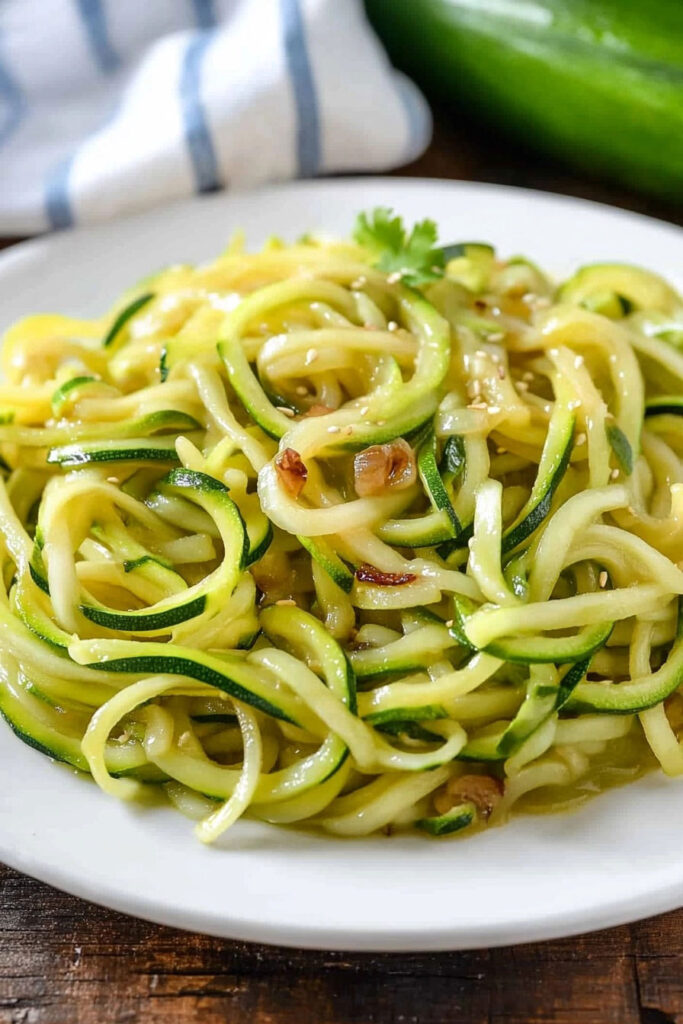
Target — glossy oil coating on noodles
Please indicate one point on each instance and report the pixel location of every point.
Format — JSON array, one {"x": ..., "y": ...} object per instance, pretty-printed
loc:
[{"x": 361, "y": 536}]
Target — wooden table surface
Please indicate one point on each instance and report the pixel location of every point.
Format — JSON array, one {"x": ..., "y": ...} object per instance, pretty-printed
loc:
[{"x": 64, "y": 961}]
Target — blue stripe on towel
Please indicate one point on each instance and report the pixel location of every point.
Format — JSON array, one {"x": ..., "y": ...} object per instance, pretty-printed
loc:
[
  {"x": 58, "y": 206},
  {"x": 57, "y": 201},
  {"x": 197, "y": 134},
  {"x": 204, "y": 13},
  {"x": 12, "y": 104},
  {"x": 94, "y": 20},
  {"x": 308, "y": 120}
]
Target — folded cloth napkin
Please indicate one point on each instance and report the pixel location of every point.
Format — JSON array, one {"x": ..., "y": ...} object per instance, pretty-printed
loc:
[{"x": 108, "y": 106}]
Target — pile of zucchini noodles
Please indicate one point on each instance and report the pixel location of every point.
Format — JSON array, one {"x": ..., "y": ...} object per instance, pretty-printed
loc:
[{"x": 289, "y": 535}]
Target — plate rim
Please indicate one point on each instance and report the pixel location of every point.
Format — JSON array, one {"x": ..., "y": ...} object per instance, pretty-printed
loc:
[
  {"x": 339, "y": 939},
  {"x": 407, "y": 182}
]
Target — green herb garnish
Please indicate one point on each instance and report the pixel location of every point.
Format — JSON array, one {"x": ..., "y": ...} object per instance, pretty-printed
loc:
[{"x": 414, "y": 257}]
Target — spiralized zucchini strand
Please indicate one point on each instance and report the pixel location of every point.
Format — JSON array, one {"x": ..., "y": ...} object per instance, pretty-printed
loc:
[{"x": 357, "y": 535}]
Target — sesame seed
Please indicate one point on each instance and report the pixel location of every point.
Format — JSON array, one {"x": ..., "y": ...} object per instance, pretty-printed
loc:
[
  {"x": 395, "y": 277},
  {"x": 477, "y": 405},
  {"x": 576, "y": 404},
  {"x": 380, "y": 423},
  {"x": 614, "y": 475},
  {"x": 580, "y": 438},
  {"x": 285, "y": 410},
  {"x": 602, "y": 579},
  {"x": 521, "y": 385},
  {"x": 497, "y": 336},
  {"x": 301, "y": 390},
  {"x": 392, "y": 326},
  {"x": 500, "y": 450},
  {"x": 311, "y": 356},
  {"x": 287, "y": 602},
  {"x": 578, "y": 361},
  {"x": 360, "y": 282},
  {"x": 527, "y": 375},
  {"x": 449, "y": 623},
  {"x": 494, "y": 409},
  {"x": 333, "y": 429},
  {"x": 348, "y": 431},
  {"x": 364, "y": 410}
]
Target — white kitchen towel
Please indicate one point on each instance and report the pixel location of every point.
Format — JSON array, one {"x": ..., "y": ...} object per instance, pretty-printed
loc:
[{"x": 108, "y": 106}]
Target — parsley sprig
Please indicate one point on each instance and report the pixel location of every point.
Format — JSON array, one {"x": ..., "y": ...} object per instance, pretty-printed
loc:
[{"x": 414, "y": 257}]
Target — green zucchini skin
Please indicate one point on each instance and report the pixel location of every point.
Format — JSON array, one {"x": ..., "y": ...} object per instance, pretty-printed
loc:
[
  {"x": 213, "y": 497},
  {"x": 66, "y": 390},
  {"x": 595, "y": 82},
  {"x": 455, "y": 820},
  {"x": 556, "y": 650},
  {"x": 601, "y": 287},
  {"x": 636, "y": 695},
  {"x": 433, "y": 528},
  {"x": 230, "y": 677},
  {"x": 667, "y": 405},
  {"x": 323, "y": 553},
  {"x": 440, "y": 526},
  {"x": 36, "y": 565},
  {"x": 301, "y": 632},
  {"x": 561, "y": 456},
  {"x": 48, "y": 740},
  {"x": 116, "y": 620},
  {"x": 124, "y": 316},
  {"x": 146, "y": 451},
  {"x": 40, "y": 624},
  {"x": 532, "y": 650},
  {"x": 470, "y": 263},
  {"x": 433, "y": 483},
  {"x": 398, "y": 719}
]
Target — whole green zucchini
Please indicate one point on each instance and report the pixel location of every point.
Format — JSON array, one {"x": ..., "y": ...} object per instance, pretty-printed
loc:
[{"x": 597, "y": 82}]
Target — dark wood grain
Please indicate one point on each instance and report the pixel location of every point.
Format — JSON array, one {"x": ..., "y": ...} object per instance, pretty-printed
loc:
[{"x": 64, "y": 961}]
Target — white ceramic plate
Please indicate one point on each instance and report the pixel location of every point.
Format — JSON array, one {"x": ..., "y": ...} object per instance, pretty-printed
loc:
[{"x": 616, "y": 859}]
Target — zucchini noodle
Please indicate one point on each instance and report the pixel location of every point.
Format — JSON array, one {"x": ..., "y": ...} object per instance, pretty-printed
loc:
[{"x": 316, "y": 538}]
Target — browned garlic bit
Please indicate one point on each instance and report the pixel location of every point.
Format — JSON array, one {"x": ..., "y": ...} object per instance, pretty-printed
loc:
[
  {"x": 371, "y": 574},
  {"x": 382, "y": 466},
  {"x": 318, "y": 410},
  {"x": 291, "y": 471},
  {"x": 483, "y": 791}
]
